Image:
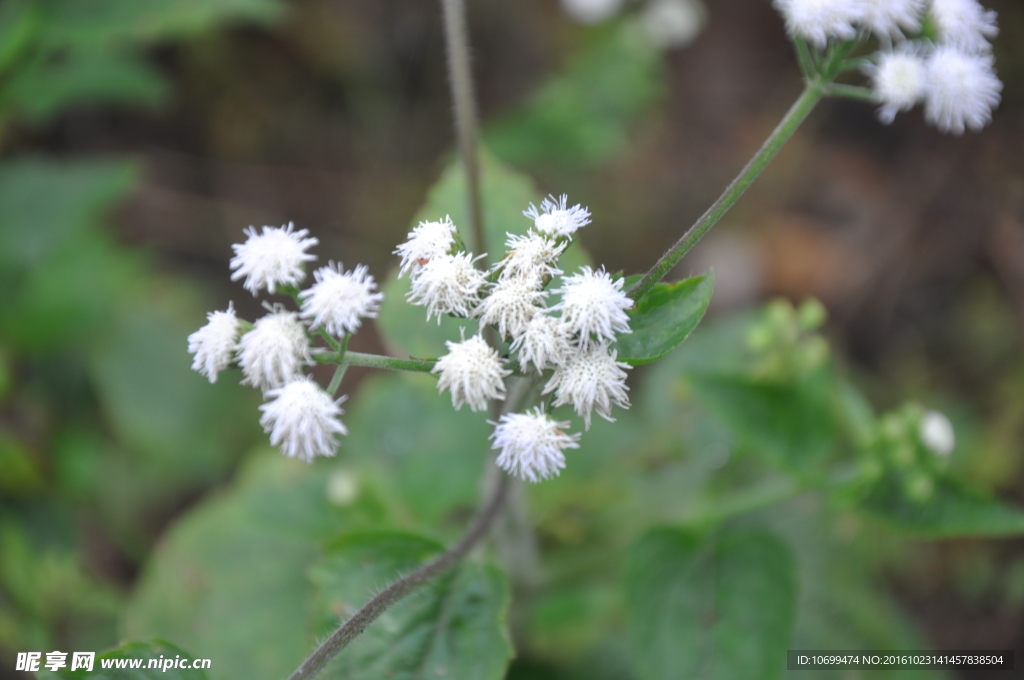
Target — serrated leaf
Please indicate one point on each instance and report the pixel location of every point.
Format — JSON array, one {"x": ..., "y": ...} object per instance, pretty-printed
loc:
[
  {"x": 723, "y": 609},
  {"x": 453, "y": 627},
  {"x": 792, "y": 425},
  {"x": 953, "y": 509},
  {"x": 157, "y": 650},
  {"x": 664, "y": 318}
]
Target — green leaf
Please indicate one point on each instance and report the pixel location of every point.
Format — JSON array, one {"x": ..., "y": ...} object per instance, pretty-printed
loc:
[
  {"x": 792, "y": 425},
  {"x": 46, "y": 85},
  {"x": 719, "y": 610},
  {"x": 453, "y": 627},
  {"x": 434, "y": 454},
  {"x": 663, "y": 318},
  {"x": 156, "y": 650},
  {"x": 952, "y": 510}
]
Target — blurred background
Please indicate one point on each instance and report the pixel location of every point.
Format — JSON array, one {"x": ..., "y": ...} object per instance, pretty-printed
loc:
[{"x": 139, "y": 137}]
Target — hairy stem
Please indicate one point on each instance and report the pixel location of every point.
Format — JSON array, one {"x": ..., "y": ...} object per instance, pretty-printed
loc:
[
  {"x": 464, "y": 103},
  {"x": 812, "y": 94},
  {"x": 369, "y": 612}
]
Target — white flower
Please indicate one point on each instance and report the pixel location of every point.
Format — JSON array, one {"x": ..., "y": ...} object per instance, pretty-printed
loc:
[
  {"x": 889, "y": 18},
  {"x": 965, "y": 24},
  {"x": 673, "y": 23},
  {"x": 511, "y": 304},
  {"x": 590, "y": 380},
  {"x": 591, "y": 11},
  {"x": 531, "y": 444},
  {"x": 962, "y": 90},
  {"x": 936, "y": 433},
  {"x": 340, "y": 300},
  {"x": 273, "y": 258},
  {"x": 426, "y": 242},
  {"x": 303, "y": 420},
  {"x": 532, "y": 256},
  {"x": 472, "y": 372},
  {"x": 898, "y": 80},
  {"x": 448, "y": 284},
  {"x": 555, "y": 219},
  {"x": 214, "y": 344},
  {"x": 592, "y": 303},
  {"x": 273, "y": 352},
  {"x": 818, "y": 20},
  {"x": 546, "y": 341}
]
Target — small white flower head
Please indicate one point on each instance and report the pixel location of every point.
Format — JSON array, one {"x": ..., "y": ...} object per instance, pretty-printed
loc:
[
  {"x": 511, "y": 304},
  {"x": 591, "y": 11},
  {"x": 426, "y": 242},
  {"x": 590, "y": 380},
  {"x": 964, "y": 24},
  {"x": 273, "y": 352},
  {"x": 888, "y": 19},
  {"x": 936, "y": 433},
  {"x": 303, "y": 420},
  {"x": 531, "y": 444},
  {"x": 899, "y": 81},
  {"x": 472, "y": 372},
  {"x": 962, "y": 90},
  {"x": 340, "y": 300},
  {"x": 274, "y": 258},
  {"x": 555, "y": 219},
  {"x": 594, "y": 304},
  {"x": 545, "y": 342},
  {"x": 215, "y": 343},
  {"x": 818, "y": 20},
  {"x": 673, "y": 23},
  {"x": 448, "y": 284},
  {"x": 533, "y": 256}
]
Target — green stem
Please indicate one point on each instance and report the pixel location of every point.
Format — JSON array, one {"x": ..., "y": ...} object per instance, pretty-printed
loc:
[
  {"x": 803, "y": 56},
  {"x": 812, "y": 94},
  {"x": 378, "y": 361},
  {"x": 339, "y": 372},
  {"x": 852, "y": 92}
]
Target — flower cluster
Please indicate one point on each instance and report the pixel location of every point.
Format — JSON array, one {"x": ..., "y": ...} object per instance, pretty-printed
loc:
[
  {"x": 948, "y": 66},
  {"x": 300, "y": 417},
  {"x": 567, "y": 346}
]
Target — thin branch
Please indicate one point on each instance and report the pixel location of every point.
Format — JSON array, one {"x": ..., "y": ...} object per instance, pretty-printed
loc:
[
  {"x": 789, "y": 124},
  {"x": 403, "y": 586},
  {"x": 852, "y": 92},
  {"x": 464, "y": 103}
]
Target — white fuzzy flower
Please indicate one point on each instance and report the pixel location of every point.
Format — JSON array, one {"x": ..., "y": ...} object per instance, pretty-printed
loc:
[
  {"x": 426, "y": 242},
  {"x": 818, "y": 20},
  {"x": 472, "y": 372},
  {"x": 303, "y": 420},
  {"x": 531, "y": 444},
  {"x": 899, "y": 81},
  {"x": 448, "y": 284},
  {"x": 546, "y": 341},
  {"x": 340, "y": 300},
  {"x": 511, "y": 304},
  {"x": 965, "y": 24},
  {"x": 554, "y": 219},
  {"x": 936, "y": 433},
  {"x": 271, "y": 259},
  {"x": 590, "y": 380},
  {"x": 673, "y": 23},
  {"x": 888, "y": 19},
  {"x": 592, "y": 303},
  {"x": 273, "y": 352},
  {"x": 591, "y": 11},
  {"x": 214, "y": 344},
  {"x": 533, "y": 256},
  {"x": 962, "y": 90}
]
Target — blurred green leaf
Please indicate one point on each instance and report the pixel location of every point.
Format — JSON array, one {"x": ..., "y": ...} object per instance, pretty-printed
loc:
[
  {"x": 952, "y": 510},
  {"x": 434, "y": 454},
  {"x": 792, "y": 425},
  {"x": 19, "y": 22},
  {"x": 664, "y": 318},
  {"x": 156, "y": 649},
  {"x": 453, "y": 627},
  {"x": 48, "y": 84},
  {"x": 719, "y": 610},
  {"x": 98, "y": 23},
  {"x": 19, "y": 472}
]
